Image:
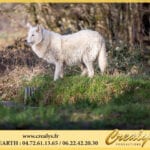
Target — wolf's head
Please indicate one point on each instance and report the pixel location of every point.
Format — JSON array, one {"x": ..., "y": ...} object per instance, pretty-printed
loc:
[{"x": 35, "y": 34}]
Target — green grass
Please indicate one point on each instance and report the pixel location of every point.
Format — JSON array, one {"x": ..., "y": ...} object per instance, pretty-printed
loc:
[{"x": 104, "y": 102}]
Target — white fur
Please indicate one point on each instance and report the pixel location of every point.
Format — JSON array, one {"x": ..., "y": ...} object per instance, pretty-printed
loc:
[{"x": 81, "y": 48}]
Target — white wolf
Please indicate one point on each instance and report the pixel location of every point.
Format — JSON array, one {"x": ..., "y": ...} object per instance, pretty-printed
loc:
[{"x": 81, "y": 48}]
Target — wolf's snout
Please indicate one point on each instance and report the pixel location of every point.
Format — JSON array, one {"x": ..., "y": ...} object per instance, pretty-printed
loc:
[
  {"x": 25, "y": 41},
  {"x": 28, "y": 42}
]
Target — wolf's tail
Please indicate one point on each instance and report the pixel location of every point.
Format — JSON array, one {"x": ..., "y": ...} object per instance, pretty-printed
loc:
[{"x": 102, "y": 58}]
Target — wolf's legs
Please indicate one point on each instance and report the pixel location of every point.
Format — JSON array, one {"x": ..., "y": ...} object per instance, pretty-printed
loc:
[
  {"x": 90, "y": 68},
  {"x": 83, "y": 69},
  {"x": 58, "y": 70},
  {"x": 62, "y": 72}
]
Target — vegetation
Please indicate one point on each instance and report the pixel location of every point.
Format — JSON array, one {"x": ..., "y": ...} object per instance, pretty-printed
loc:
[{"x": 104, "y": 102}]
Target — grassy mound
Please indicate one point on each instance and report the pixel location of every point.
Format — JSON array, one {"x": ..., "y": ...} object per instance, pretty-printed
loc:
[
  {"x": 104, "y": 102},
  {"x": 100, "y": 89}
]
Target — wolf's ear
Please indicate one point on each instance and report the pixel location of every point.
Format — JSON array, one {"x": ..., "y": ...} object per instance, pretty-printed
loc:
[
  {"x": 39, "y": 28},
  {"x": 29, "y": 25}
]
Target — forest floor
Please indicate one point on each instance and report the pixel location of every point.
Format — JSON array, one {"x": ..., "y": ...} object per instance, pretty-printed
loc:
[{"x": 104, "y": 102}]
